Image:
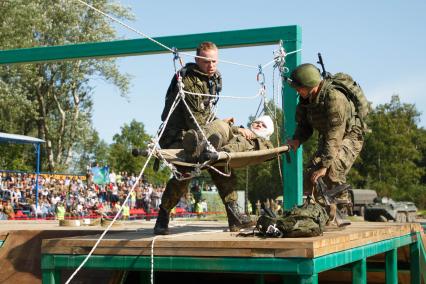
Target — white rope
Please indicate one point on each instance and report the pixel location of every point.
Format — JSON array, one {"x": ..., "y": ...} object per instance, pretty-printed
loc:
[
  {"x": 169, "y": 237},
  {"x": 228, "y": 174},
  {"x": 294, "y": 51},
  {"x": 222, "y": 96},
  {"x": 198, "y": 125},
  {"x": 112, "y": 222},
  {"x": 125, "y": 25},
  {"x": 161, "y": 44}
]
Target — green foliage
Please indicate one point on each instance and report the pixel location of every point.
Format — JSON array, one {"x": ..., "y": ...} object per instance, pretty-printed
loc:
[
  {"x": 121, "y": 160},
  {"x": 53, "y": 101},
  {"x": 393, "y": 158}
]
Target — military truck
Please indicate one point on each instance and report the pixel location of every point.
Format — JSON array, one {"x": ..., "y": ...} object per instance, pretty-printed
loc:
[
  {"x": 385, "y": 209},
  {"x": 359, "y": 199}
]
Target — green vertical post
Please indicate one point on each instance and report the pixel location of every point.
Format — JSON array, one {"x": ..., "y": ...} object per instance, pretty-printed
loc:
[
  {"x": 415, "y": 261},
  {"x": 308, "y": 279},
  {"x": 51, "y": 276},
  {"x": 392, "y": 266},
  {"x": 292, "y": 167},
  {"x": 359, "y": 272}
]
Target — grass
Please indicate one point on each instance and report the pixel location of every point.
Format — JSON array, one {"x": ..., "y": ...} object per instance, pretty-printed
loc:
[{"x": 421, "y": 213}]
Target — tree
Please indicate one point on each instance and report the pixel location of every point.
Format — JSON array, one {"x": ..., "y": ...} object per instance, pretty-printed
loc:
[
  {"x": 393, "y": 152},
  {"x": 121, "y": 159},
  {"x": 55, "y": 98}
]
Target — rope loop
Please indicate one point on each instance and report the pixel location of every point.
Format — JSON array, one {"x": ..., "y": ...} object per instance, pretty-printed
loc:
[
  {"x": 279, "y": 58},
  {"x": 261, "y": 76}
]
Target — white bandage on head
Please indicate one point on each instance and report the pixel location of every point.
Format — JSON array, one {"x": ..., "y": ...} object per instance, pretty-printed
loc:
[{"x": 267, "y": 131}]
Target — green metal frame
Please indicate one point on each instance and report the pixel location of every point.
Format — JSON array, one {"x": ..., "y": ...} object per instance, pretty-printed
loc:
[
  {"x": 290, "y": 35},
  {"x": 304, "y": 270}
]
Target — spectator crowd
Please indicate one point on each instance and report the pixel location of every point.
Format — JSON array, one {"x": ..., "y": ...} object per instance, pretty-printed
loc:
[{"x": 74, "y": 196}]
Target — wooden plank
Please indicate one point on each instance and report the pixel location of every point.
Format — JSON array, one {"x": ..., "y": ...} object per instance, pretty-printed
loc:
[
  {"x": 3, "y": 236},
  {"x": 228, "y": 244}
]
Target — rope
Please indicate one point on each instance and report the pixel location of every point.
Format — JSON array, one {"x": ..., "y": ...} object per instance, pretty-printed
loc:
[
  {"x": 159, "y": 134},
  {"x": 227, "y": 168},
  {"x": 180, "y": 235},
  {"x": 222, "y": 96},
  {"x": 172, "y": 50},
  {"x": 125, "y": 25},
  {"x": 113, "y": 220}
]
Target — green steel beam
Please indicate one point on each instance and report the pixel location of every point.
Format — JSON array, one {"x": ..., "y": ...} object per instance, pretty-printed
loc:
[
  {"x": 359, "y": 272},
  {"x": 227, "y": 39},
  {"x": 415, "y": 261},
  {"x": 308, "y": 279},
  {"x": 391, "y": 258},
  {"x": 422, "y": 259},
  {"x": 302, "y": 266},
  {"x": 292, "y": 166},
  {"x": 341, "y": 258},
  {"x": 51, "y": 276}
]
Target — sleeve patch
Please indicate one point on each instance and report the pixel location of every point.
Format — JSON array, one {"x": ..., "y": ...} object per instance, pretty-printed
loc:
[{"x": 335, "y": 119}]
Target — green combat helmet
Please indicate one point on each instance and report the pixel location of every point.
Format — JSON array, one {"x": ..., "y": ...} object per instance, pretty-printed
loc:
[{"x": 305, "y": 75}]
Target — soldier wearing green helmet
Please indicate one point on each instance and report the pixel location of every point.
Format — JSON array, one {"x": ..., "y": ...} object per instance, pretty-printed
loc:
[{"x": 325, "y": 108}]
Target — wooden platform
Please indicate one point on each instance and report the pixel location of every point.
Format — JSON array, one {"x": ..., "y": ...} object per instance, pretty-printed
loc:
[
  {"x": 194, "y": 240},
  {"x": 203, "y": 247}
]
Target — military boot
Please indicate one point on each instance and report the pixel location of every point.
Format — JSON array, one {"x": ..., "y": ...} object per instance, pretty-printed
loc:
[
  {"x": 192, "y": 145},
  {"x": 335, "y": 217},
  {"x": 162, "y": 224},
  {"x": 216, "y": 141},
  {"x": 236, "y": 220}
]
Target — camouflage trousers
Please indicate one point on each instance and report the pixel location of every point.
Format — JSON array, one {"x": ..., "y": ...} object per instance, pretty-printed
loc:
[
  {"x": 175, "y": 189},
  {"x": 336, "y": 174},
  {"x": 232, "y": 142}
]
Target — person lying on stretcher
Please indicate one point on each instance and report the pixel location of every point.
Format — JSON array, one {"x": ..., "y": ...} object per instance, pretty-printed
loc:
[{"x": 222, "y": 136}]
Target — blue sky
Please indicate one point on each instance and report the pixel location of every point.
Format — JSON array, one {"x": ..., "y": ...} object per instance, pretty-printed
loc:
[{"x": 381, "y": 43}]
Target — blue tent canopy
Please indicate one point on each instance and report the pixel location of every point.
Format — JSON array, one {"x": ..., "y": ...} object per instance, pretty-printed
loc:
[
  {"x": 22, "y": 139},
  {"x": 19, "y": 139}
]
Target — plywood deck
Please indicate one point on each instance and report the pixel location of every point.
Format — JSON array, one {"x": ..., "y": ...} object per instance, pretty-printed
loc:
[{"x": 203, "y": 239}]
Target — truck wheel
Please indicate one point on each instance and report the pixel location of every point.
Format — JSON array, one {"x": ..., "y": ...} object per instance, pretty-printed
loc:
[
  {"x": 411, "y": 217},
  {"x": 362, "y": 211},
  {"x": 401, "y": 217},
  {"x": 382, "y": 218}
]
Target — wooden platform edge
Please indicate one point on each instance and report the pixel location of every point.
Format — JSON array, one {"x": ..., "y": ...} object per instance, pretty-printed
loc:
[{"x": 220, "y": 246}]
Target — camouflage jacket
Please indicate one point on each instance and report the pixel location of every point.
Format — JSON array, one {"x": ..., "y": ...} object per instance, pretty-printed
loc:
[
  {"x": 332, "y": 115},
  {"x": 238, "y": 143},
  {"x": 180, "y": 120}
]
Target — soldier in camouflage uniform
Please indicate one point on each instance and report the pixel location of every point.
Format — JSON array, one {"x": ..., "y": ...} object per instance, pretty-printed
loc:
[
  {"x": 200, "y": 77},
  {"x": 340, "y": 132},
  {"x": 225, "y": 137}
]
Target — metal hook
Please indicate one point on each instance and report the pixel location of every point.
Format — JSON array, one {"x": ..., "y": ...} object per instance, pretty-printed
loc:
[{"x": 176, "y": 57}]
